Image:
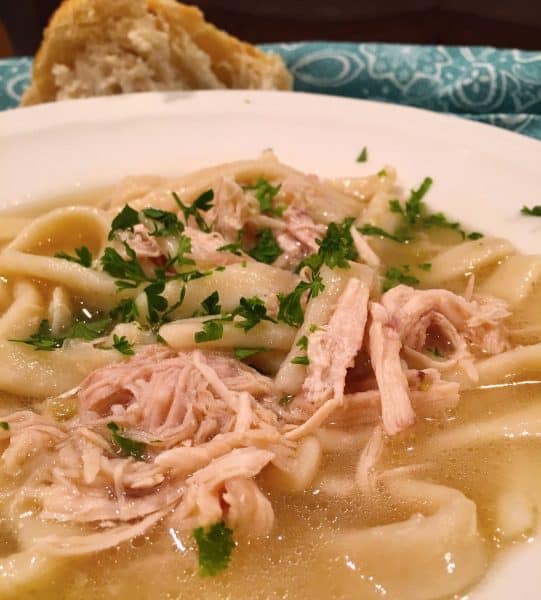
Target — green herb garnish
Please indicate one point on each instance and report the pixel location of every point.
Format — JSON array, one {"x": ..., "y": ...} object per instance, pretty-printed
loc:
[
  {"x": 122, "y": 345},
  {"x": 435, "y": 352},
  {"x": 301, "y": 360},
  {"x": 211, "y": 304},
  {"x": 363, "y": 155},
  {"x": 425, "y": 266},
  {"x": 534, "y": 211},
  {"x": 126, "y": 445},
  {"x": 266, "y": 249},
  {"x": 252, "y": 311},
  {"x": 368, "y": 229},
  {"x": 43, "y": 339},
  {"x": 4, "y": 425},
  {"x": 128, "y": 271},
  {"x": 265, "y": 193},
  {"x": 242, "y": 353},
  {"x": 126, "y": 219},
  {"x": 382, "y": 173},
  {"x": 202, "y": 204},
  {"x": 215, "y": 544},
  {"x": 397, "y": 275},
  {"x": 165, "y": 223},
  {"x": 125, "y": 312},
  {"x": 290, "y": 310},
  {"x": 89, "y": 330},
  {"x": 285, "y": 399},
  {"x": 212, "y": 330},
  {"x": 302, "y": 343},
  {"x": 83, "y": 256}
]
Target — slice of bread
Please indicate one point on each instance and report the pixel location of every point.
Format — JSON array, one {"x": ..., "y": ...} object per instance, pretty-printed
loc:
[{"x": 103, "y": 47}]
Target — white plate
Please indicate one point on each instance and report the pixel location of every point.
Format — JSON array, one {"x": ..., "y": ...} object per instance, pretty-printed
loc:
[{"x": 482, "y": 175}]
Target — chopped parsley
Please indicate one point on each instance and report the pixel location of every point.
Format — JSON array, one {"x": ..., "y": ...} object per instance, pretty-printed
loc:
[
  {"x": 252, "y": 311},
  {"x": 233, "y": 247},
  {"x": 382, "y": 173},
  {"x": 397, "y": 275},
  {"x": 242, "y": 353},
  {"x": 126, "y": 219},
  {"x": 212, "y": 330},
  {"x": 4, "y": 425},
  {"x": 335, "y": 249},
  {"x": 156, "y": 303},
  {"x": 128, "y": 271},
  {"x": 215, "y": 544},
  {"x": 301, "y": 360},
  {"x": 290, "y": 310},
  {"x": 89, "y": 330},
  {"x": 125, "y": 445},
  {"x": 125, "y": 312},
  {"x": 368, "y": 229},
  {"x": 122, "y": 345},
  {"x": 266, "y": 249},
  {"x": 363, "y": 155},
  {"x": 211, "y": 304},
  {"x": 534, "y": 211},
  {"x": 165, "y": 223},
  {"x": 264, "y": 193},
  {"x": 302, "y": 343},
  {"x": 285, "y": 399},
  {"x": 201, "y": 204},
  {"x": 425, "y": 266},
  {"x": 435, "y": 352},
  {"x": 83, "y": 256},
  {"x": 44, "y": 339}
]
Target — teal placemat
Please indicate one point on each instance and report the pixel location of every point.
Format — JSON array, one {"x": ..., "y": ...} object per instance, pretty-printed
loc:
[{"x": 501, "y": 87}]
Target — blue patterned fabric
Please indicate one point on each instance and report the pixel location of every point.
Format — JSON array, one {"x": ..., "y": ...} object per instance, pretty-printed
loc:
[{"x": 500, "y": 87}]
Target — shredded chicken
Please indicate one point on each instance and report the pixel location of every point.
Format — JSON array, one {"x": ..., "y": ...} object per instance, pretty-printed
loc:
[{"x": 299, "y": 237}]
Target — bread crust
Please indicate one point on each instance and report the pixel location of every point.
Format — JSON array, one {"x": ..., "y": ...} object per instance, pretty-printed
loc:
[{"x": 231, "y": 63}]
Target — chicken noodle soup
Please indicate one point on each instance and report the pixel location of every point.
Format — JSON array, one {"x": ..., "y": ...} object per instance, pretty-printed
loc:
[{"x": 253, "y": 383}]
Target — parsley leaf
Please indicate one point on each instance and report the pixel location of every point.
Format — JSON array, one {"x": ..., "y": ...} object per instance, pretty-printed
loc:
[
  {"x": 267, "y": 249},
  {"x": 126, "y": 219},
  {"x": 301, "y": 360},
  {"x": 241, "y": 353},
  {"x": 397, "y": 275},
  {"x": 90, "y": 330},
  {"x": 302, "y": 343},
  {"x": 83, "y": 256},
  {"x": 233, "y": 247},
  {"x": 382, "y": 173},
  {"x": 212, "y": 330},
  {"x": 368, "y": 229},
  {"x": 128, "y": 271},
  {"x": 425, "y": 266},
  {"x": 285, "y": 399},
  {"x": 4, "y": 425},
  {"x": 122, "y": 344},
  {"x": 335, "y": 249},
  {"x": 474, "y": 235},
  {"x": 166, "y": 223},
  {"x": 264, "y": 193},
  {"x": 155, "y": 301},
  {"x": 363, "y": 155},
  {"x": 211, "y": 304},
  {"x": 436, "y": 353},
  {"x": 202, "y": 203},
  {"x": 290, "y": 310},
  {"x": 126, "y": 445},
  {"x": 534, "y": 211},
  {"x": 125, "y": 312},
  {"x": 43, "y": 339},
  {"x": 215, "y": 544},
  {"x": 252, "y": 310}
]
